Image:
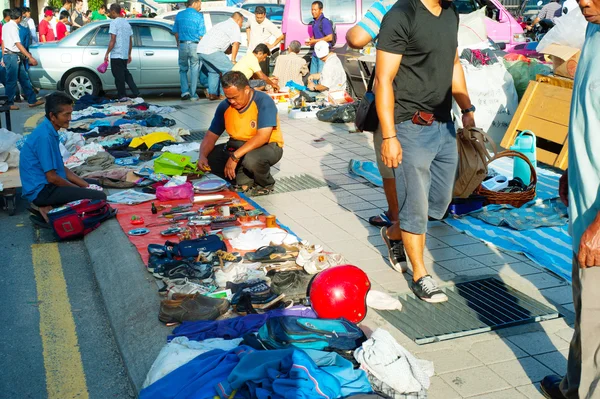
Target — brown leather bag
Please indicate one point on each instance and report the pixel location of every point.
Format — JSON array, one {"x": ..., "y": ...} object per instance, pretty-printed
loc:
[{"x": 473, "y": 158}]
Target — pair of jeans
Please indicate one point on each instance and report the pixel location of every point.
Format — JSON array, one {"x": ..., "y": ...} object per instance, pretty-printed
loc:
[
  {"x": 15, "y": 70},
  {"x": 216, "y": 64},
  {"x": 254, "y": 167},
  {"x": 52, "y": 195},
  {"x": 188, "y": 61},
  {"x": 121, "y": 74},
  {"x": 316, "y": 65}
]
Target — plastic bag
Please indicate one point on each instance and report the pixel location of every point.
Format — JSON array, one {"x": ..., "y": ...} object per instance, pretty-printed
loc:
[
  {"x": 523, "y": 72},
  {"x": 569, "y": 30},
  {"x": 338, "y": 114},
  {"x": 472, "y": 29},
  {"x": 185, "y": 191},
  {"x": 8, "y": 140},
  {"x": 492, "y": 91},
  {"x": 102, "y": 67}
]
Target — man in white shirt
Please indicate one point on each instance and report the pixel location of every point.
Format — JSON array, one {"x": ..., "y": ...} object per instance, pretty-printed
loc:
[
  {"x": 119, "y": 48},
  {"x": 212, "y": 49},
  {"x": 262, "y": 30},
  {"x": 15, "y": 58},
  {"x": 333, "y": 76}
]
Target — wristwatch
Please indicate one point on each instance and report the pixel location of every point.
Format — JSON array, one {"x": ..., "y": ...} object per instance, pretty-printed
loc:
[
  {"x": 236, "y": 159},
  {"x": 470, "y": 109}
]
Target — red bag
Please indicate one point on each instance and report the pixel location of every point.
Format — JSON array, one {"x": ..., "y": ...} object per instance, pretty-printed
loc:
[
  {"x": 184, "y": 191},
  {"x": 77, "y": 218}
]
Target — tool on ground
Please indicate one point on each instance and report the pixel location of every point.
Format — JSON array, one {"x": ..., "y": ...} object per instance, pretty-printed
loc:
[
  {"x": 138, "y": 232},
  {"x": 153, "y": 209}
]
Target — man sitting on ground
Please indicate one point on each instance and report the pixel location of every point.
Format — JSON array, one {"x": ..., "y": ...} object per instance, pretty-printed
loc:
[
  {"x": 333, "y": 76},
  {"x": 249, "y": 65},
  {"x": 255, "y": 140},
  {"x": 46, "y": 181},
  {"x": 291, "y": 66}
]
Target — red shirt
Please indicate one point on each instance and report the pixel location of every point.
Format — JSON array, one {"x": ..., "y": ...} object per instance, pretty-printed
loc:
[
  {"x": 46, "y": 29},
  {"x": 61, "y": 30}
]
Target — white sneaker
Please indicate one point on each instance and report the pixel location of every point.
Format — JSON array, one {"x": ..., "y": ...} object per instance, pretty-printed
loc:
[
  {"x": 186, "y": 287},
  {"x": 320, "y": 261}
]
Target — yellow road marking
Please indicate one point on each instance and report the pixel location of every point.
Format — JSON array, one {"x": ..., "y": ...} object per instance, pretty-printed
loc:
[{"x": 65, "y": 377}]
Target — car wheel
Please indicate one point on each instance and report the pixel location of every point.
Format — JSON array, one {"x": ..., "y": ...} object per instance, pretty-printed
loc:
[{"x": 80, "y": 83}]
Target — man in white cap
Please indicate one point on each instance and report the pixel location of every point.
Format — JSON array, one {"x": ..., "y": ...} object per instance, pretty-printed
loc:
[{"x": 333, "y": 76}]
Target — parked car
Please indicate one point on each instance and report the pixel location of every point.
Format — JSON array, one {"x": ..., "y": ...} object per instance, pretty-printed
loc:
[
  {"x": 71, "y": 63},
  {"x": 274, "y": 11},
  {"x": 503, "y": 28},
  {"x": 216, "y": 15}
]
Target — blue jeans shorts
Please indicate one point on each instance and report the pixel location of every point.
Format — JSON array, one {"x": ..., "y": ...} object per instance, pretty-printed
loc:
[{"x": 425, "y": 178}]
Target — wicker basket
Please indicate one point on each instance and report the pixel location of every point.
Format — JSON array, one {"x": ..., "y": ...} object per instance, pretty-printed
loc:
[{"x": 515, "y": 199}]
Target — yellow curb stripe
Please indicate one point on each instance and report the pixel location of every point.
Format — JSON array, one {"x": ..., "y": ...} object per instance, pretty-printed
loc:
[
  {"x": 65, "y": 377},
  {"x": 32, "y": 122}
]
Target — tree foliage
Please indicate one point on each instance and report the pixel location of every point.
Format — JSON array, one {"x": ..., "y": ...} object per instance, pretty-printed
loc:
[{"x": 95, "y": 4}]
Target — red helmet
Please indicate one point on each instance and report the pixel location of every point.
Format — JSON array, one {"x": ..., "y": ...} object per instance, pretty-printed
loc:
[{"x": 340, "y": 291}]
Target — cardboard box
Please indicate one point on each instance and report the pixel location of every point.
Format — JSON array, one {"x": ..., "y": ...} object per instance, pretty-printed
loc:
[
  {"x": 339, "y": 97},
  {"x": 564, "y": 59}
]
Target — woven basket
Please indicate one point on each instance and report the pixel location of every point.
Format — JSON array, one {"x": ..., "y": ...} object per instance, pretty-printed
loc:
[{"x": 515, "y": 199}]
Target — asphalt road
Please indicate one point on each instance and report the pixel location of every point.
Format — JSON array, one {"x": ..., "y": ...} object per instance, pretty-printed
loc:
[{"x": 55, "y": 337}]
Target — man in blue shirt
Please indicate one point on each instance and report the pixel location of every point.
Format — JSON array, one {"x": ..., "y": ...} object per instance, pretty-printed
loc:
[
  {"x": 46, "y": 181},
  {"x": 322, "y": 30},
  {"x": 189, "y": 29}
]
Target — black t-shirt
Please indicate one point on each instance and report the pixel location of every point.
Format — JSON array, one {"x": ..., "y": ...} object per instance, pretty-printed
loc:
[{"x": 428, "y": 47}]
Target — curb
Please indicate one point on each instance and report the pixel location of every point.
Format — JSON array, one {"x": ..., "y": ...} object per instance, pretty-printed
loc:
[{"x": 130, "y": 299}]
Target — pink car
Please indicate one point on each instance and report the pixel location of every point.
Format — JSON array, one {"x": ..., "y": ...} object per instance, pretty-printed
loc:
[{"x": 502, "y": 27}]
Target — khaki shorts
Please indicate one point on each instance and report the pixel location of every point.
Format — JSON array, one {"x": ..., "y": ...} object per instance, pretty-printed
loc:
[{"x": 386, "y": 172}]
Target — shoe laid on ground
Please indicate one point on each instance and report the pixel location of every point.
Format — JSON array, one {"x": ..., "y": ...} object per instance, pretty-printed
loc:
[
  {"x": 36, "y": 104},
  {"x": 186, "y": 96},
  {"x": 294, "y": 284},
  {"x": 14, "y": 108},
  {"x": 183, "y": 286},
  {"x": 222, "y": 305},
  {"x": 426, "y": 289},
  {"x": 318, "y": 261},
  {"x": 550, "y": 387},
  {"x": 191, "y": 271},
  {"x": 188, "y": 309},
  {"x": 396, "y": 254},
  {"x": 39, "y": 221}
]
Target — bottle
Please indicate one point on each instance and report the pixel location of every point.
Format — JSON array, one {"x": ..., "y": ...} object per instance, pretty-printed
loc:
[
  {"x": 154, "y": 210},
  {"x": 525, "y": 143}
]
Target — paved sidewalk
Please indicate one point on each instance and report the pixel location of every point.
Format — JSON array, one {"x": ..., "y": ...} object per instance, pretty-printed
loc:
[{"x": 504, "y": 364}]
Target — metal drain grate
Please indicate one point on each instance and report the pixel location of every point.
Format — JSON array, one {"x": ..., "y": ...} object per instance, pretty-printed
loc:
[
  {"x": 195, "y": 135},
  {"x": 472, "y": 308},
  {"x": 297, "y": 183}
]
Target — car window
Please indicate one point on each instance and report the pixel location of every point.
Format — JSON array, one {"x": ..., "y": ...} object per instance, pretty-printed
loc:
[
  {"x": 85, "y": 40},
  {"x": 101, "y": 38},
  {"x": 339, "y": 11},
  {"x": 218, "y": 17},
  {"x": 156, "y": 36},
  {"x": 466, "y": 6},
  {"x": 170, "y": 17}
]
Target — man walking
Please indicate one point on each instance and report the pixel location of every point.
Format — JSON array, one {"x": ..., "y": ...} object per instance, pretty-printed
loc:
[
  {"x": 15, "y": 56},
  {"x": 263, "y": 31},
  {"x": 322, "y": 30},
  {"x": 119, "y": 48},
  {"x": 189, "y": 29},
  {"x": 223, "y": 38},
  {"x": 579, "y": 188},
  {"x": 417, "y": 74}
]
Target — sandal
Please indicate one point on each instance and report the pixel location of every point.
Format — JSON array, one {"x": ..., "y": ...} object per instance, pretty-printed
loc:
[
  {"x": 381, "y": 220},
  {"x": 242, "y": 189},
  {"x": 265, "y": 253},
  {"x": 40, "y": 222},
  {"x": 257, "y": 191}
]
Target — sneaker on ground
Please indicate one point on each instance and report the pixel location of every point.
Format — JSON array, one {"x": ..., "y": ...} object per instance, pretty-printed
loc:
[
  {"x": 396, "y": 254},
  {"x": 186, "y": 96},
  {"x": 196, "y": 272},
  {"x": 320, "y": 261},
  {"x": 426, "y": 289},
  {"x": 190, "y": 309},
  {"x": 186, "y": 287}
]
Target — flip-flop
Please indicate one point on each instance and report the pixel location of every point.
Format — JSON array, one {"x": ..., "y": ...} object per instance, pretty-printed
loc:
[
  {"x": 40, "y": 222},
  {"x": 380, "y": 220},
  {"x": 265, "y": 253}
]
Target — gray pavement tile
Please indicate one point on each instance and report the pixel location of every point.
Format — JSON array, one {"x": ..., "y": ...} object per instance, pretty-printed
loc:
[
  {"x": 375, "y": 264},
  {"x": 565, "y": 333},
  {"x": 521, "y": 371},
  {"x": 461, "y": 264},
  {"x": 494, "y": 259},
  {"x": 374, "y": 196},
  {"x": 506, "y": 394},
  {"x": 361, "y": 192},
  {"x": 570, "y": 307},
  {"x": 439, "y": 389},
  {"x": 516, "y": 269},
  {"x": 365, "y": 214},
  {"x": 353, "y": 249},
  {"x": 389, "y": 279},
  {"x": 475, "y": 382},
  {"x": 434, "y": 243},
  {"x": 476, "y": 249},
  {"x": 443, "y": 254},
  {"x": 353, "y": 186},
  {"x": 448, "y": 360},
  {"x": 360, "y": 206},
  {"x": 334, "y": 210},
  {"x": 536, "y": 343},
  {"x": 555, "y": 361},
  {"x": 473, "y": 274},
  {"x": 558, "y": 295},
  {"x": 456, "y": 240},
  {"x": 380, "y": 204},
  {"x": 496, "y": 350},
  {"x": 531, "y": 391},
  {"x": 441, "y": 230},
  {"x": 545, "y": 280}
]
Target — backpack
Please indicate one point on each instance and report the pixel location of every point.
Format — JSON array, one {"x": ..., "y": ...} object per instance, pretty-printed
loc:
[
  {"x": 333, "y": 29},
  {"x": 473, "y": 159},
  {"x": 191, "y": 248},
  {"x": 77, "y": 218},
  {"x": 306, "y": 333}
]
